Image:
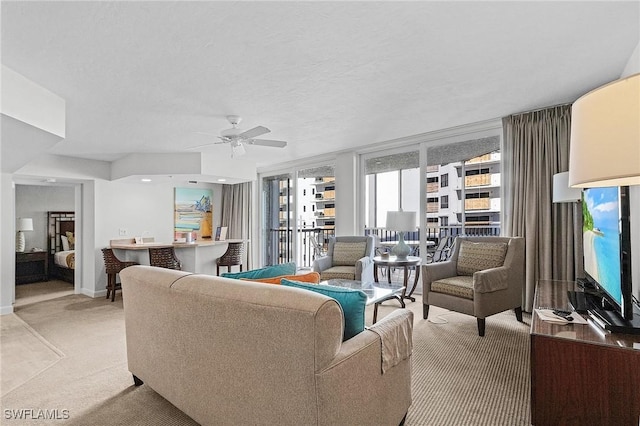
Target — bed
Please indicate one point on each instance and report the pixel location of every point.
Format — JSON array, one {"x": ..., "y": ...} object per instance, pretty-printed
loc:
[{"x": 61, "y": 241}]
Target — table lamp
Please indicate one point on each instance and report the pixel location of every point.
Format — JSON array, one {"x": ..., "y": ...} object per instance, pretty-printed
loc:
[
  {"x": 605, "y": 136},
  {"x": 562, "y": 192},
  {"x": 401, "y": 222},
  {"x": 24, "y": 224}
]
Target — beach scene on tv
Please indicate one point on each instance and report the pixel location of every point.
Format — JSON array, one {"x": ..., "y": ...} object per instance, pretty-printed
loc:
[{"x": 601, "y": 230}]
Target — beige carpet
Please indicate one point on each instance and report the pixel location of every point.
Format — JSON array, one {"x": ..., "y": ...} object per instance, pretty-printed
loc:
[{"x": 458, "y": 377}]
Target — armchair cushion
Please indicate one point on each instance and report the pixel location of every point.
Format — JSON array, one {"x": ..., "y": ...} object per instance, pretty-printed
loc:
[
  {"x": 347, "y": 254},
  {"x": 339, "y": 272},
  {"x": 352, "y": 303},
  {"x": 479, "y": 256},
  {"x": 266, "y": 272},
  {"x": 459, "y": 286}
]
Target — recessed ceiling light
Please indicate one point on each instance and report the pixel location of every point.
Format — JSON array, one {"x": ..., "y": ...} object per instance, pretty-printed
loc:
[
  {"x": 222, "y": 180},
  {"x": 145, "y": 180}
]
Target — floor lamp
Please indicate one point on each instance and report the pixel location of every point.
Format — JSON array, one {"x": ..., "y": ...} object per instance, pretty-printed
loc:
[{"x": 24, "y": 224}]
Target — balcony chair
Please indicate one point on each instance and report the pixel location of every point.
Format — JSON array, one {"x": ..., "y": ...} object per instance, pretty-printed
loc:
[
  {"x": 113, "y": 266},
  {"x": 348, "y": 258},
  {"x": 441, "y": 252},
  {"x": 483, "y": 276},
  {"x": 164, "y": 257},
  {"x": 234, "y": 256}
]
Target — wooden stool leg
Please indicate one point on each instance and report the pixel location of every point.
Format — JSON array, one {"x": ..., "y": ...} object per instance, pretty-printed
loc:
[
  {"x": 113, "y": 291},
  {"x": 108, "y": 285}
]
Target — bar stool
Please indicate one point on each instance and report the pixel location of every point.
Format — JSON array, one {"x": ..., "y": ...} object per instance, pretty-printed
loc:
[
  {"x": 113, "y": 266},
  {"x": 164, "y": 257},
  {"x": 232, "y": 257}
]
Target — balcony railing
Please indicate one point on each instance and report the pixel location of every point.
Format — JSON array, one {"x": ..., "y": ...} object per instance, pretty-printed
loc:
[
  {"x": 477, "y": 180},
  {"x": 280, "y": 248}
]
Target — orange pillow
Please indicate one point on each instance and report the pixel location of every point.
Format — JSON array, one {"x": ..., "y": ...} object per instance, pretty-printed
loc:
[{"x": 311, "y": 277}]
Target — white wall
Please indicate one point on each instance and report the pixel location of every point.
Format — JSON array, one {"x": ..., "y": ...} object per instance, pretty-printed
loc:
[
  {"x": 142, "y": 209},
  {"x": 633, "y": 67},
  {"x": 35, "y": 201},
  {"x": 7, "y": 244}
]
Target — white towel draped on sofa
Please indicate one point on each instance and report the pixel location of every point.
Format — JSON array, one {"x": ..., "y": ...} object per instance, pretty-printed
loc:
[{"x": 396, "y": 337}]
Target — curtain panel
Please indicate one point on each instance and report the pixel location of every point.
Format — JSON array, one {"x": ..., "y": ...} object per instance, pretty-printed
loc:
[
  {"x": 535, "y": 147},
  {"x": 237, "y": 215}
]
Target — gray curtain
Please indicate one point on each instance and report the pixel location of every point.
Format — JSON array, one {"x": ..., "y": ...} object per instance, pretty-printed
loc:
[
  {"x": 535, "y": 147},
  {"x": 237, "y": 215}
]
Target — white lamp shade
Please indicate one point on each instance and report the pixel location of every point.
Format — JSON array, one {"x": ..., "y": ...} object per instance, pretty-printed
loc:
[
  {"x": 401, "y": 221},
  {"x": 25, "y": 224},
  {"x": 562, "y": 192},
  {"x": 605, "y": 136}
]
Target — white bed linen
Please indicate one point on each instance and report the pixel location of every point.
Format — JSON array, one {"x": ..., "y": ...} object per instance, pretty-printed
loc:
[{"x": 60, "y": 258}]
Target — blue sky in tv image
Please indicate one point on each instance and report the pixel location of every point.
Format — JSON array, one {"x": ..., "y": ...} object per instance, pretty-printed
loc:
[{"x": 602, "y": 243}]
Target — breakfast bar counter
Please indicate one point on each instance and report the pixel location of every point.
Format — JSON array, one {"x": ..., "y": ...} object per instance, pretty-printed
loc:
[{"x": 198, "y": 256}]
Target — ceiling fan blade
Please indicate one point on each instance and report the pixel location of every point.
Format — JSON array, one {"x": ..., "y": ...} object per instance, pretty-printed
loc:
[
  {"x": 267, "y": 142},
  {"x": 199, "y": 146},
  {"x": 252, "y": 133},
  {"x": 206, "y": 134}
]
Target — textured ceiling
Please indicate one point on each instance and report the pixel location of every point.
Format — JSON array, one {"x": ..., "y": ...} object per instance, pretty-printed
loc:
[{"x": 324, "y": 76}]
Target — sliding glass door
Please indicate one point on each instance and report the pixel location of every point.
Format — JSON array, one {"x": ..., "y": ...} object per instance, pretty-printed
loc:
[
  {"x": 278, "y": 219},
  {"x": 299, "y": 215}
]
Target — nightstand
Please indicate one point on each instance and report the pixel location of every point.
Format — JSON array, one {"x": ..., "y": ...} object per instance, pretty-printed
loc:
[{"x": 31, "y": 267}]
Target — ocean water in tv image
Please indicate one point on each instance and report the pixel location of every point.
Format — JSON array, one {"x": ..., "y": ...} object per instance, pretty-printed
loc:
[{"x": 603, "y": 205}]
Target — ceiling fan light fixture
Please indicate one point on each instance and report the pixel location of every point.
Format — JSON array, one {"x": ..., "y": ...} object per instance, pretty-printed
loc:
[{"x": 237, "y": 149}]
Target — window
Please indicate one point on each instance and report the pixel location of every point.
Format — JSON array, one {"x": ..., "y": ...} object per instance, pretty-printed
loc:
[
  {"x": 444, "y": 181},
  {"x": 444, "y": 202},
  {"x": 482, "y": 171},
  {"x": 432, "y": 220},
  {"x": 432, "y": 200},
  {"x": 444, "y": 221},
  {"x": 476, "y": 195}
]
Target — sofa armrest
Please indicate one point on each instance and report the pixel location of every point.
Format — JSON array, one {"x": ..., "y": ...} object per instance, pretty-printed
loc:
[
  {"x": 322, "y": 263},
  {"x": 357, "y": 366},
  {"x": 489, "y": 280},
  {"x": 435, "y": 271}
]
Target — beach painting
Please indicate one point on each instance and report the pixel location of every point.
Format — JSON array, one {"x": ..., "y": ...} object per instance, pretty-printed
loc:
[
  {"x": 193, "y": 213},
  {"x": 601, "y": 231}
]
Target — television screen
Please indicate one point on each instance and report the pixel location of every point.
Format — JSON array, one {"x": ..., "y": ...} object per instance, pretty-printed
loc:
[{"x": 603, "y": 242}]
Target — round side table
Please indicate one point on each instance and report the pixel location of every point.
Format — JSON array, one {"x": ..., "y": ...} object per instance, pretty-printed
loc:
[{"x": 393, "y": 262}]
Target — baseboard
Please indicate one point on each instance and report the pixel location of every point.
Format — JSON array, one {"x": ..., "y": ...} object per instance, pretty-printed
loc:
[
  {"x": 6, "y": 310},
  {"x": 94, "y": 294}
]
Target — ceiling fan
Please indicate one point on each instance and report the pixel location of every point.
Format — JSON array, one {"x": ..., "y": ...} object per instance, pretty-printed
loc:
[{"x": 237, "y": 137}]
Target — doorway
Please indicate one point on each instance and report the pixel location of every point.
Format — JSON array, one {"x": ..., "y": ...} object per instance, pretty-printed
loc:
[{"x": 34, "y": 279}]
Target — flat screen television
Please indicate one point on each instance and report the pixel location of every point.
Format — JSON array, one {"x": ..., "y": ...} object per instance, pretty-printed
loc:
[{"x": 607, "y": 246}]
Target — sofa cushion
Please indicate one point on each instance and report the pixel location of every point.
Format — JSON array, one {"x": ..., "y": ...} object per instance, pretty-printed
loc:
[
  {"x": 311, "y": 277},
  {"x": 266, "y": 272},
  {"x": 474, "y": 257},
  {"x": 460, "y": 286},
  {"x": 348, "y": 253},
  {"x": 352, "y": 302}
]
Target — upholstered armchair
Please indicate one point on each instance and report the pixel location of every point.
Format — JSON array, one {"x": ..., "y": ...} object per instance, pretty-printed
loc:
[
  {"x": 483, "y": 276},
  {"x": 348, "y": 258}
]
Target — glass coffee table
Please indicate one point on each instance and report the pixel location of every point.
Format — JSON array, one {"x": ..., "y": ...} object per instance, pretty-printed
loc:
[{"x": 376, "y": 292}]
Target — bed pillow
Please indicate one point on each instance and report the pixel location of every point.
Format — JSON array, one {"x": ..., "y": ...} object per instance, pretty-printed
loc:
[
  {"x": 352, "y": 302},
  {"x": 65, "y": 243},
  {"x": 72, "y": 240}
]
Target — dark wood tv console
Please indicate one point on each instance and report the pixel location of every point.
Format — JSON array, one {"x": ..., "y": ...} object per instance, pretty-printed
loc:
[{"x": 581, "y": 374}]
